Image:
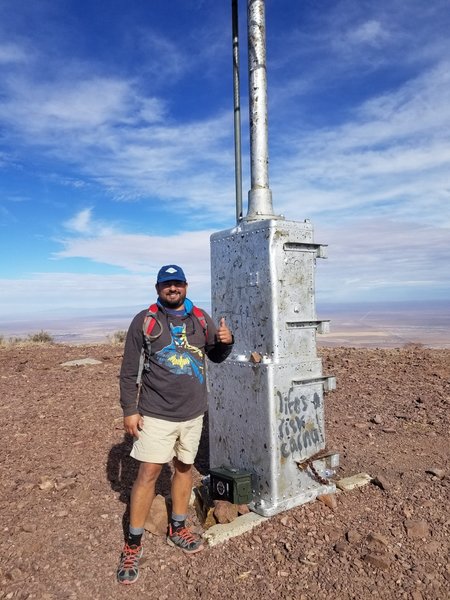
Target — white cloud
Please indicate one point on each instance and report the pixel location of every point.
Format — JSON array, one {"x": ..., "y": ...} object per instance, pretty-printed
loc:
[
  {"x": 116, "y": 135},
  {"x": 81, "y": 222},
  {"x": 395, "y": 153},
  {"x": 58, "y": 292},
  {"x": 368, "y": 260},
  {"x": 140, "y": 253},
  {"x": 371, "y": 32},
  {"x": 374, "y": 259},
  {"x": 84, "y": 104}
]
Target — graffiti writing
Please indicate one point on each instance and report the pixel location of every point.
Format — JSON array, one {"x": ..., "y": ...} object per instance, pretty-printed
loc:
[{"x": 297, "y": 430}]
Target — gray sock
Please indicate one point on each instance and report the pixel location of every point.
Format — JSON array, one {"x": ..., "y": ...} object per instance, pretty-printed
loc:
[{"x": 177, "y": 521}]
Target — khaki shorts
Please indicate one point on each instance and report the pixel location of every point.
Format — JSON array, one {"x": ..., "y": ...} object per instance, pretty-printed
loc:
[{"x": 159, "y": 441}]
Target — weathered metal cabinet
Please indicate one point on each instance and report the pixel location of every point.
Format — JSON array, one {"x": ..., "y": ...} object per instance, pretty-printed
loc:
[{"x": 266, "y": 411}]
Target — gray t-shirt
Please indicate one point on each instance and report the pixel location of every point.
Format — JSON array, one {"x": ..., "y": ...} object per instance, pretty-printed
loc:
[{"x": 174, "y": 386}]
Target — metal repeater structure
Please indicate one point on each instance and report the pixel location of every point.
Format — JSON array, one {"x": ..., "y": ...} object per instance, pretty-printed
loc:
[{"x": 266, "y": 406}]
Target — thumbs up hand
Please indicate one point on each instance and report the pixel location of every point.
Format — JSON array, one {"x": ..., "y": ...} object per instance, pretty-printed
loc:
[{"x": 223, "y": 334}]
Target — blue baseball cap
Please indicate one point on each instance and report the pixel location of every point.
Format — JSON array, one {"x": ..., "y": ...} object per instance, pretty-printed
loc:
[{"x": 170, "y": 273}]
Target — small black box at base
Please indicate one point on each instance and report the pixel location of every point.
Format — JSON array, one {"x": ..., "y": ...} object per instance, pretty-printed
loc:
[{"x": 232, "y": 485}]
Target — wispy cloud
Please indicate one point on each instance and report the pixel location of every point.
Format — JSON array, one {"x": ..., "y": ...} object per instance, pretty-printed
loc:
[
  {"x": 57, "y": 108},
  {"x": 56, "y": 292},
  {"x": 395, "y": 152},
  {"x": 81, "y": 222},
  {"x": 105, "y": 244},
  {"x": 117, "y": 137},
  {"x": 380, "y": 259},
  {"x": 370, "y": 33}
]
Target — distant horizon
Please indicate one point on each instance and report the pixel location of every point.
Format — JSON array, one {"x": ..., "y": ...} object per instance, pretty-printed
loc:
[
  {"x": 119, "y": 310},
  {"x": 383, "y": 324}
]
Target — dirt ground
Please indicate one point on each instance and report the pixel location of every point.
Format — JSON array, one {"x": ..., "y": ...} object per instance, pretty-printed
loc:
[{"x": 66, "y": 475}]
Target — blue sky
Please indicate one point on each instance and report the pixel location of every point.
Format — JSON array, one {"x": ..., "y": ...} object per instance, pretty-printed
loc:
[{"x": 117, "y": 156}]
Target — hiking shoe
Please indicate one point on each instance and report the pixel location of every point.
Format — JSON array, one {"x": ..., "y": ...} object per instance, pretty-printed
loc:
[
  {"x": 185, "y": 540},
  {"x": 128, "y": 569}
]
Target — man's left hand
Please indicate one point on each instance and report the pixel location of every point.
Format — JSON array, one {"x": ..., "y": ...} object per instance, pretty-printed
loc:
[{"x": 223, "y": 334}]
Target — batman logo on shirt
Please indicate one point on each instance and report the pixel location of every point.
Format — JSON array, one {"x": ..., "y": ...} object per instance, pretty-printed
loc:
[{"x": 180, "y": 357}]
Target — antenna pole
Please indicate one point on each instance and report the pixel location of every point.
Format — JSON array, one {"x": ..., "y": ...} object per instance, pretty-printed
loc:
[{"x": 260, "y": 195}]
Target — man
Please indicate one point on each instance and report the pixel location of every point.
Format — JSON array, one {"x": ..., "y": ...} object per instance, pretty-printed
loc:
[{"x": 166, "y": 419}]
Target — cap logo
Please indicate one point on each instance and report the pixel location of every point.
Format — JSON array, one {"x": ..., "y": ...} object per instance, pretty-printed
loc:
[{"x": 171, "y": 270}]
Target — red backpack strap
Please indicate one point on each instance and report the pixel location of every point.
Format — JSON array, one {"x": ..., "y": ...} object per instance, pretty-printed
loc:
[
  {"x": 198, "y": 313},
  {"x": 150, "y": 320}
]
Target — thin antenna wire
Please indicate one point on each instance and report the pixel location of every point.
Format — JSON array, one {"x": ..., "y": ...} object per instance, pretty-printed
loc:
[{"x": 237, "y": 110}]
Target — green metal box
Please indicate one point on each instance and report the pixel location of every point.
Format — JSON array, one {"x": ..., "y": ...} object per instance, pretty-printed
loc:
[{"x": 233, "y": 485}]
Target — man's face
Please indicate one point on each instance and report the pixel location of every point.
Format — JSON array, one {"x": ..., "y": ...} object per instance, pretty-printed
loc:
[{"x": 172, "y": 293}]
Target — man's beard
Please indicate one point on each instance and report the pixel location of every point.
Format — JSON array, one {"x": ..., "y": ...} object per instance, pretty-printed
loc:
[{"x": 175, "y": 303}]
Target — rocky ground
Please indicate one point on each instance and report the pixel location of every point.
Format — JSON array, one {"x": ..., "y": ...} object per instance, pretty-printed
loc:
[{"x": 66, "y": 474}]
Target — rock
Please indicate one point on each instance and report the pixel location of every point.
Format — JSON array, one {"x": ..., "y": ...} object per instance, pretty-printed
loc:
[
  {"x": 80, "y": 362},
  {"x": 157, "y": 519},
  {"x": 65, "y": 484},
  {"x": 381, "y": 482},
  {"x": 350, "y": 483},
  {"x": 277, "y": 555},
  {"x": 428, "y": 504},
  {"x": 225, "y": 512},
  {"x": 377, "y": 560},
  {"x": 377, "y": 541},
  {"x": 243, "y": 509},
  {"x": 432, "y": 547},
  {"x": 439, "y": 473},
  {"x": 329, "y": 500},
  {"x": 353, "y": 536},
  {"x": 46, "y": 483},
  {"x": 389, "y": 430},
  {"x": 417, "y": 529},
  {"x": 408, "y": 511},
  {"x": 221, "y": 533},
  {"x": 255, "y": 357},
  {"x": 29, "y": 527},
  {"x": 15, "y": 574},
  {"x": 209, "y": 520},
  {"x": 377, "y": 420},
  {"x": 341, "y": 547},
  {"x": 69, "y": 474}
]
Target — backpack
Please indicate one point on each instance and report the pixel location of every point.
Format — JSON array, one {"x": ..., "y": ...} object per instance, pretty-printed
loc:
[{"x": 148, "y": 326}]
